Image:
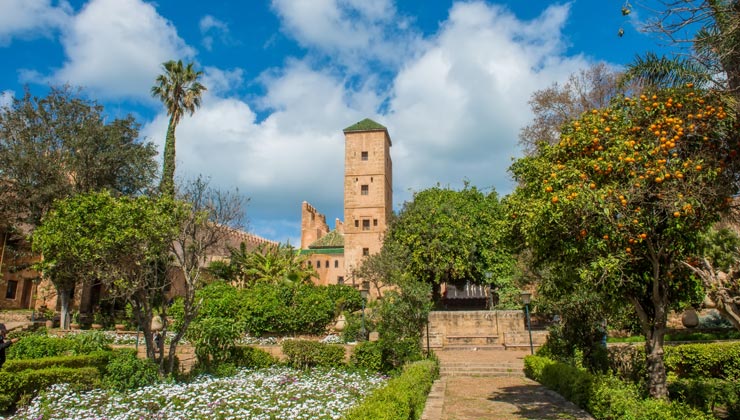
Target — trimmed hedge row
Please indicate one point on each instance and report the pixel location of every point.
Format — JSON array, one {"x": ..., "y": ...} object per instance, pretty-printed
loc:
[
  {"x": 304, "y": 354},
  {"x": 605, "y": 397},
  {"x": 24, "y": 385},
  {"x": 402, "y": 398},
  {"x": 97, "y": 360},
  {"x": 684, "y": 361},
  {"x": 251, "y": 357}
]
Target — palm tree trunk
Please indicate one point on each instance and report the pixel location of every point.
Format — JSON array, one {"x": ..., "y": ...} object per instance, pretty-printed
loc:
[{"x": 167, "y": 184}]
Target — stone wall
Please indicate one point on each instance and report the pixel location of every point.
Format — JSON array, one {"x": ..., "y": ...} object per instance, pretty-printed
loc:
[{"x": 502, "y": 329}]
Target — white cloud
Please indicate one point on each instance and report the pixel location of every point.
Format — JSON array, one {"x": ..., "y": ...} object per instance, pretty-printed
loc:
[
  {"x": 30, "y": 18},
  {"x": 115, "y": 48},
  {"x": 210, "y": 27},
  {"x": 351, "y": 32},
  {"x": 456, "y": 111}
]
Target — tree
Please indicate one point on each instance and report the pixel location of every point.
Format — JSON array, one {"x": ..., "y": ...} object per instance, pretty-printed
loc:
[
  {"x": 96, "y": 236},
  {"x": 624, "y": 196},
  {"x": 211, "y": 217},
  {"x": 452, "y": 236},
  {"x": 556, "y": 105},
  {"x": 268, "y": 264},
  {"x": 61, "y": 145},
  {"x": 178, "y": 88}
]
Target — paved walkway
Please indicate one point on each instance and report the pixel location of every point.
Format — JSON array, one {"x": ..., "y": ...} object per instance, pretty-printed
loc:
[{"x": 465, "y": 396}]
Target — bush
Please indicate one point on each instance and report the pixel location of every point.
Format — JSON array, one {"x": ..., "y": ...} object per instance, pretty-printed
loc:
[
  {"x": 213, "y": 338},
  {"x": 303, "y": 354},
  {"x": 708, "y": 394},
  {"x": 251, "y": 357},
  {"x": 605, "y": 397},
  {"x": 38, "y": 346},
  {"x": 90, "y": 341},
  {"x": 97, "y": 360},
  {"x": 24, "y": 385},
  {"x": 126, "y": 371},
  {"x": 705, "y": 360},
  {"x": 368, "y": 355},
  {"x": 402, "y": 398}
]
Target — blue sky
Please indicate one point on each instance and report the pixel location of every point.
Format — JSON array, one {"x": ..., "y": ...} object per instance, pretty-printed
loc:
[{"x": 450, "y": 80}]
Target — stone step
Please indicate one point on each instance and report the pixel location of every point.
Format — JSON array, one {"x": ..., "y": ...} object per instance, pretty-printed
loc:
[
  {"x": 482, "y": 365},
  {"x": 482, "y": 372},
  {"x": 471, "y": 347}
]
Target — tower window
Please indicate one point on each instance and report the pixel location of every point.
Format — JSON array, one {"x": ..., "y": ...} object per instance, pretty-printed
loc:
[
  {"x": 364, "y": 189},
  {"x": 318, "y": 264},
  {"x": 336, "y": 263},
  {"x": 366, "y": 224},
  {"x": 363, "y": 155},
  {"x": 340, "y": 280},
  {"x": 375, "y": 222},
  {"x": 365, "y": 252},
  {"x": 357, "y": 223}
]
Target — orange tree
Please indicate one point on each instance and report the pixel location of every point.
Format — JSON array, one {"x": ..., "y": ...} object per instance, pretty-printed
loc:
[{"x": 623, "y": 197}]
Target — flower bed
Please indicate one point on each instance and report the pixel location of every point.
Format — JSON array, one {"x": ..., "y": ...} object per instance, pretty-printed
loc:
[{"x": 273, "y": 393}]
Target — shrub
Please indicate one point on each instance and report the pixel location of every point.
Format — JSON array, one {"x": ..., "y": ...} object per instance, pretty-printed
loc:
[
  {"x": 368, "y": 355},
  {"x": 213, "y": 338},
  {"x": 251, "y": 357},
  {"x": 707, "y": 394},
  {"x": 90, "y": 341},
  {"x": 402, "y": 398},
  {"x": 37, "y": 345},
  {"x": 605, "y": 397},
  {"x": 24, "y": 385},
  {"x": 344, "y": 298},
  {"x": 705, "y": 360},
  {"x": 126, "y": 371},
  {"x": 97, "y": 360},
  {"x": 303, "y": 353}
]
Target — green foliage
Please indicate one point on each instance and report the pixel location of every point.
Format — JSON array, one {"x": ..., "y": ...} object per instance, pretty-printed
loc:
[
  {"x": 251, "y": 357},
  {"x": 267, "y": 264},
  {"x": 603, "y": 396},
  {"x": 402, "y": 398},
  {"x": 37, "y": 346},
  {"x": 213, "y": 338},
  {"x": 126, "y": 371},
  {"x": 708, "y": 394},
  {"x": 401, "y": 317},
  {"x": 705, "y": 360},
  {"x": 304, "y": 354},
  {"x": 367, "y": 355},
  {"x": 98, "y": 360},
  {"x": 345, "y": 298},
  {"x": 463, "y": 234},
  {"x": 25, "y": 384}
]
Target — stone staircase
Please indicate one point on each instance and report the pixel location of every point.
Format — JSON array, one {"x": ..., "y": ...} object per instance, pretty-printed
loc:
[{"x": 481, "y": 363}]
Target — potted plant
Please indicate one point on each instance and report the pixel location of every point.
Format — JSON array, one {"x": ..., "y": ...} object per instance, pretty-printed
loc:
[
  {"x": 49, "y": 316},
  {"x": 75, "y": 324},
  {"x": 97, "y": 321}
]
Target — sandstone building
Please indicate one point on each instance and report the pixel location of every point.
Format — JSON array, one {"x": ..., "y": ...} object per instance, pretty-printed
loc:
[{"x": 368, "y": 203}]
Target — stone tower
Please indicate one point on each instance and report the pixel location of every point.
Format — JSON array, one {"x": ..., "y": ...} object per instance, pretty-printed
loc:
[{"x": 368, "y": 191}]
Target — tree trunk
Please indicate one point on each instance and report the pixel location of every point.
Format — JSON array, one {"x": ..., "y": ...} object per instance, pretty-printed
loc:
[
  {"x": 167, "y": 184},
  {"x": 63, "y": 295},
  {"x": 655, "y": 363}
]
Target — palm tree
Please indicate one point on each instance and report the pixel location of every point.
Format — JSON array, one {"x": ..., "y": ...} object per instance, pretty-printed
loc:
[{"x": 178, "y": 88}]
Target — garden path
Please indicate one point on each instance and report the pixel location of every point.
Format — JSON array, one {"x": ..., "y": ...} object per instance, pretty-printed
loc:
[{"x": 490, "y": 384}]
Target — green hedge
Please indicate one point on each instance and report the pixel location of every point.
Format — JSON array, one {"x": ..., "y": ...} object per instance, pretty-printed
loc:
[
  {"x": 35, "y": 346},
  {"x": 303, "y": 353},
  {"x": 251, "y": 357},
  {"x": 704, "y": 360},
  {"x": 25, "y": 384},
  {"x": 126, "y": 371},
  {"x": 368, "y": 355},
  {"x": 605, "y": 397},
  {"x": 708, "y": 394},
  {"x": 97, "y": 360},
  {"x": 402, "y": 398}
]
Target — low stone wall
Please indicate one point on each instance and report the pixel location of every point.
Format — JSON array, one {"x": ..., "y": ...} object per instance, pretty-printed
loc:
[{"x": 480, "y": 328}]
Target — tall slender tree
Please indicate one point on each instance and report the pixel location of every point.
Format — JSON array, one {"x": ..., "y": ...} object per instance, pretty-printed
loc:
[{"x": 180, "y": 91}]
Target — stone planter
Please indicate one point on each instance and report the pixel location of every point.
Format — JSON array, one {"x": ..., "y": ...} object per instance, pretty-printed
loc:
[
  {"x": 74, "y": 326},
  {"x": 97, "y": 326},
  {"x": 341, "y": 323},
  {"x": 120, "y": 327},
  {"x": 690, "y": 319}
]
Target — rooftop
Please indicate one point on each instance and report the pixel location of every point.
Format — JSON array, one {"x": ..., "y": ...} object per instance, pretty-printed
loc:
[
  {"x": 365, "y": 125},
  {"x": 332, "y": 239}
]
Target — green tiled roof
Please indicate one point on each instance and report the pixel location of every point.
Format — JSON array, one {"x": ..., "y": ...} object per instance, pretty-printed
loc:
[
  {"x": 332, "y": 239},
  {"x": 365, "y": 125},
  {"x": 322, "y": 251}
]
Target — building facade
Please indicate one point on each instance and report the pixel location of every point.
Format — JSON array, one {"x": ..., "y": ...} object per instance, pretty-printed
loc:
[{"x": 368, "y": 205}]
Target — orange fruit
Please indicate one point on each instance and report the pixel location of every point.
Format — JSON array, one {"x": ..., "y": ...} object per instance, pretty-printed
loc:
[
  {"x": 555, "y": 199},
  {"x": 676, "y": 214}
]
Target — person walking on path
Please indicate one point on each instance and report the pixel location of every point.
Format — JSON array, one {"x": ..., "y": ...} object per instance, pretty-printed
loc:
[{"x": 4, "y": 343}]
